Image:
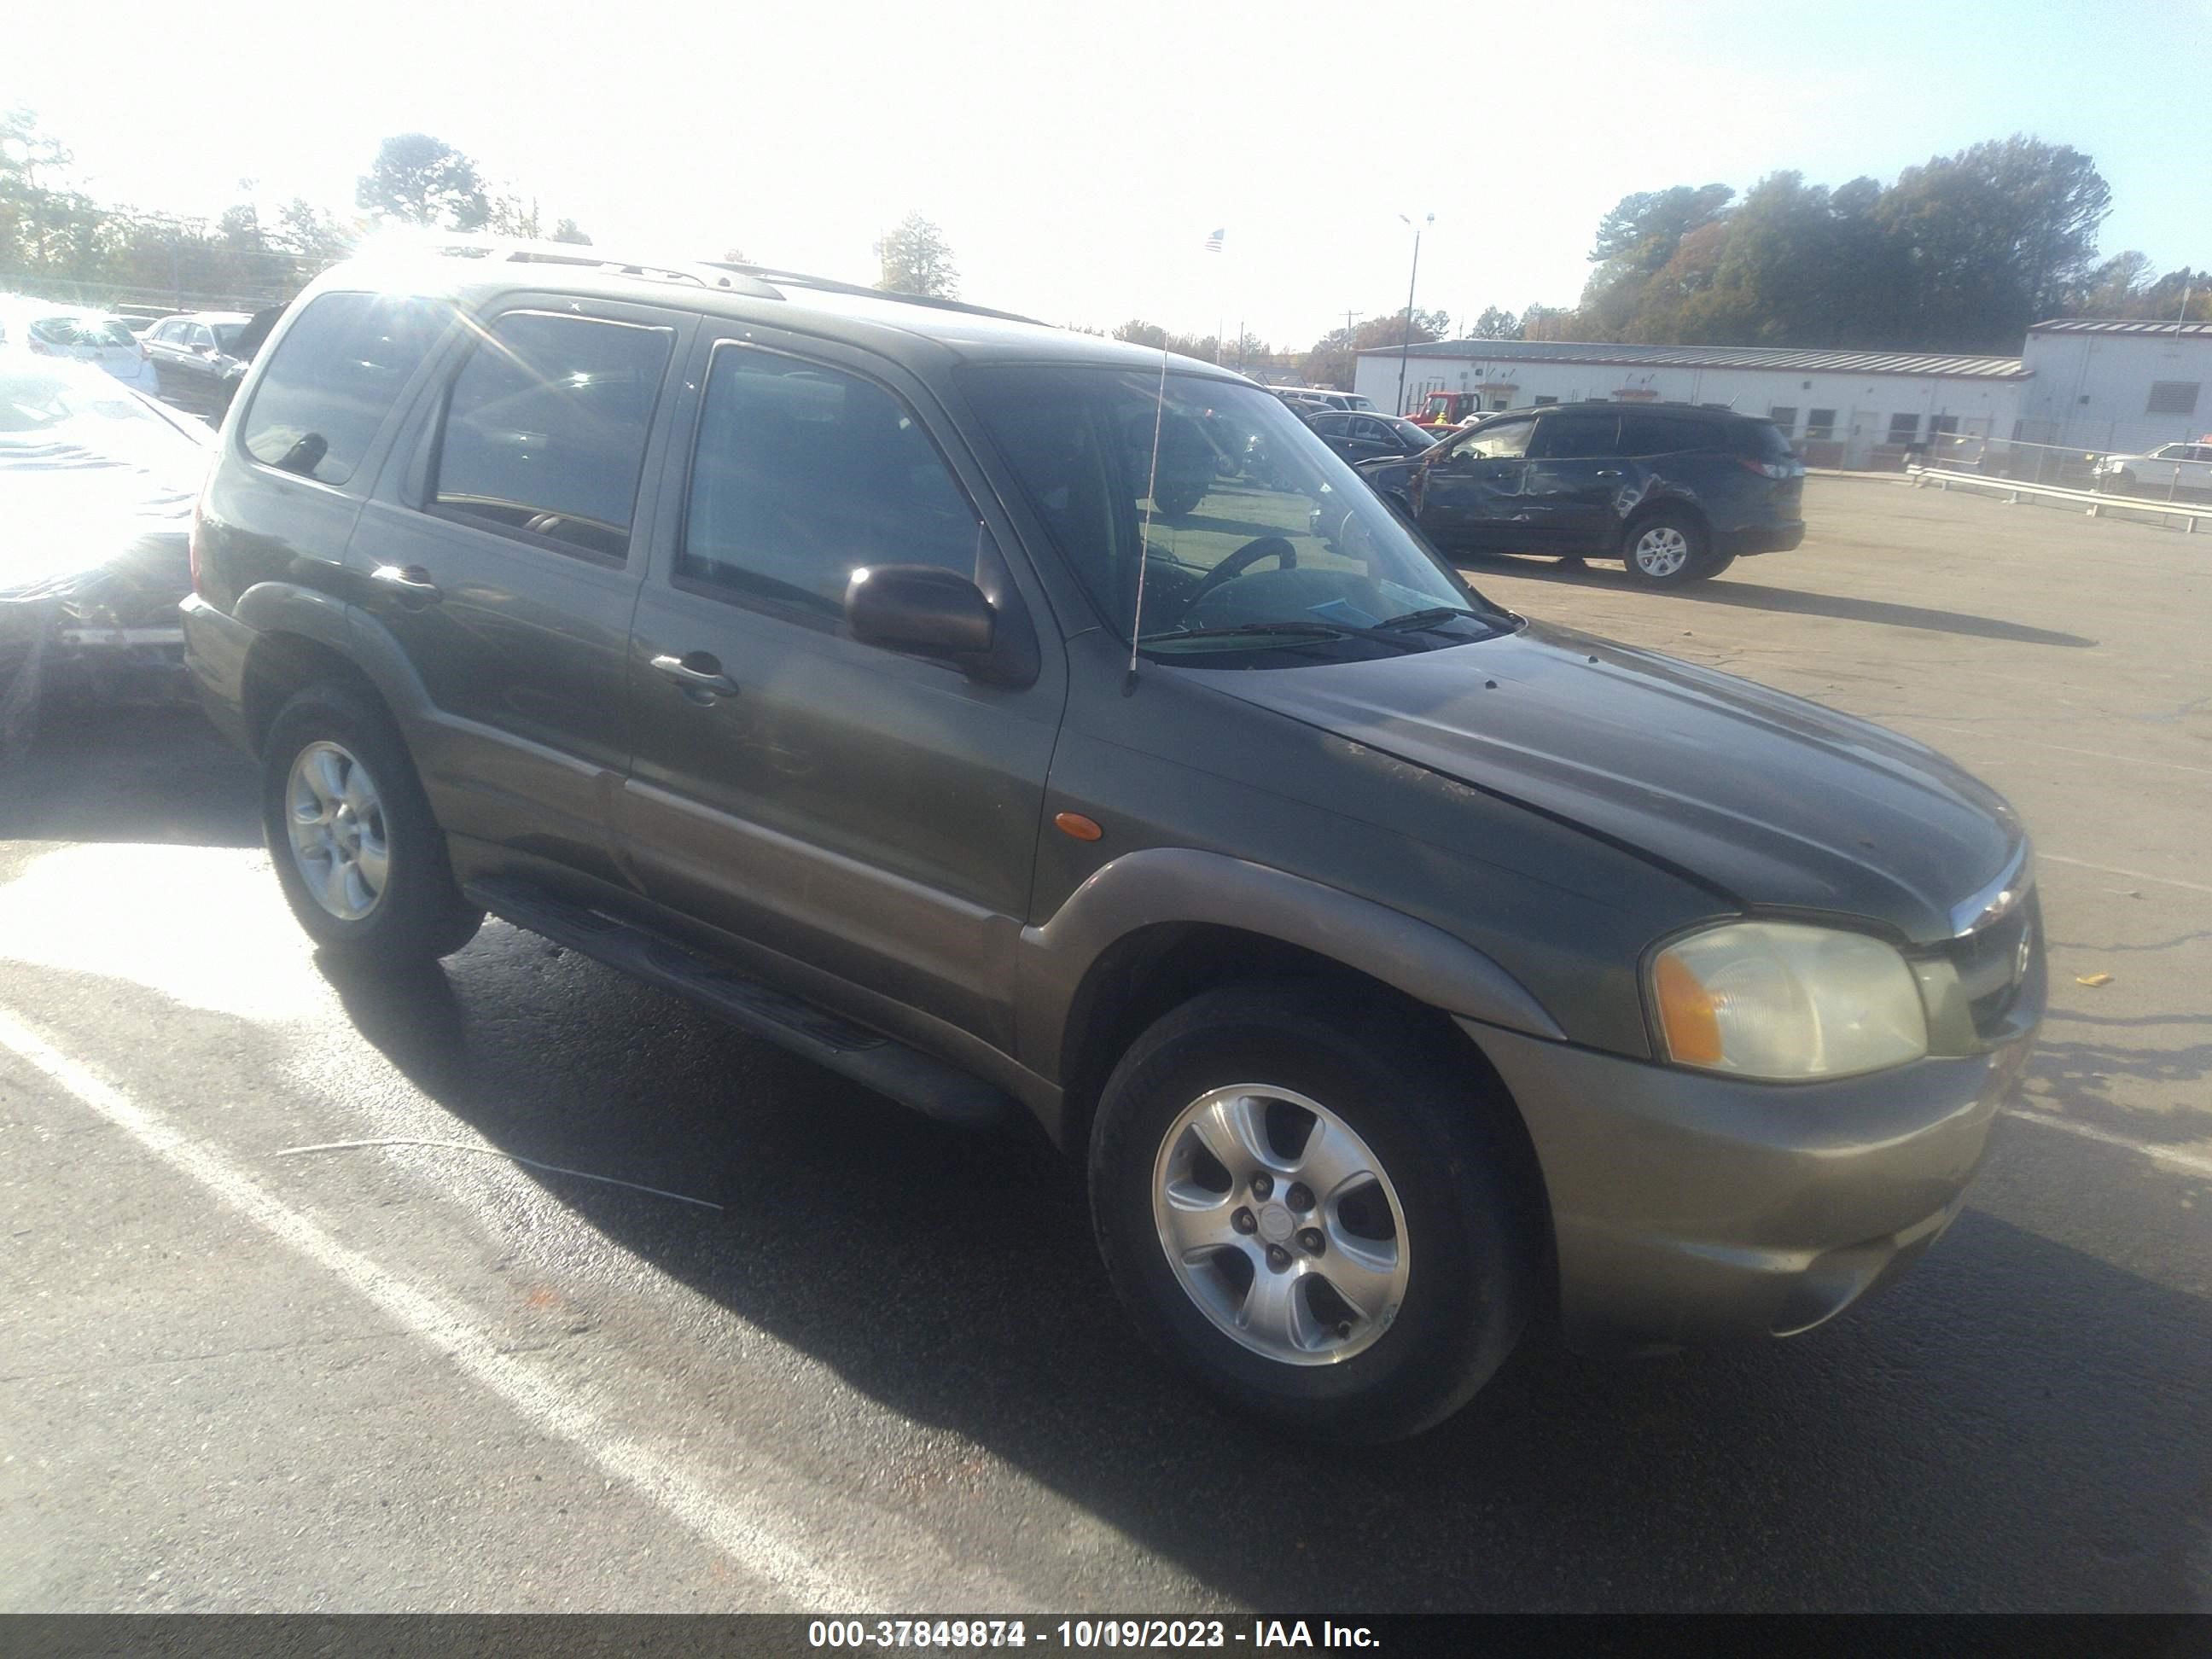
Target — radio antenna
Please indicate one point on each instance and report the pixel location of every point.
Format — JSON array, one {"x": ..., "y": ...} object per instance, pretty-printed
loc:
[{"x": 1145, "y": 537}]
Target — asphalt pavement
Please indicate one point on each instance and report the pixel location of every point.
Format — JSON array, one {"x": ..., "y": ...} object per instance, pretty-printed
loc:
[{"x": 739, "y": 1334}]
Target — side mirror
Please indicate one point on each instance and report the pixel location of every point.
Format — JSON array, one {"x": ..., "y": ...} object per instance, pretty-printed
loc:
[{"x": 919, "y": 607}]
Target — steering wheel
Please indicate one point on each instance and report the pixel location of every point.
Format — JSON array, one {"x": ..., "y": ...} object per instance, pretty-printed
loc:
[{"x": 1237, "y": 563}]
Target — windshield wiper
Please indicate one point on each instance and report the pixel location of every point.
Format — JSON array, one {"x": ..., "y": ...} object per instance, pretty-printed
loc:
[
  {"x": 1433, "y": 615},
  {"x": 1411, "y": 621},
  {"x": 1315, "y": 629}
]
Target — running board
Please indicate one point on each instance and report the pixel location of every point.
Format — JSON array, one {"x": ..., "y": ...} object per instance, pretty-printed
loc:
[{"x": 907, "y": 1075}]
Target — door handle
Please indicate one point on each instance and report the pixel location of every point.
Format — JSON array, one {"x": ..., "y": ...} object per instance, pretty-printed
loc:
[
  {"x": 1606, "y": 472},
  {"x": 410, "y": 581},
  {"x": 707, "y": 682}
]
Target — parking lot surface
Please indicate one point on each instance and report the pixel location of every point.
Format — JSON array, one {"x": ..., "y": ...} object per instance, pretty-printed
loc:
[{"x": 819, "y": 1352}]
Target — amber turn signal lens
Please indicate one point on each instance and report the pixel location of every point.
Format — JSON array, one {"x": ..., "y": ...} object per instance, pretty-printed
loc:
[
  {"x": 1075, "y": 825},
  {"x": 1686, "y": 1019}
]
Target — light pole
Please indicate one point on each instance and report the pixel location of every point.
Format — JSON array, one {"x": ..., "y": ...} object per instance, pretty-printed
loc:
[{"x": 1405, "y": 346}]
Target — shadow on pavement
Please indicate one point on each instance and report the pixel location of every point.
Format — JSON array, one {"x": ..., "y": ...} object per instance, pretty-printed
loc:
[
  {"x": 2018, "y": 1424},
  {"x": 1755, "y": 597},
  {"x": 156, "y": 774}
]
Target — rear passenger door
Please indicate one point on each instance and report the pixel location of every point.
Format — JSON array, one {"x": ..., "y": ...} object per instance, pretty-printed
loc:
[
  {"x": 503, "y": 562},
  {"x": 863, "y": 819},
  {"x": 1574, "y": 481}
]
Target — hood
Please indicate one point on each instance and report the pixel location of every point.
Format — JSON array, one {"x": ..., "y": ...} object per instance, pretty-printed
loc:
[
  {"x": 77, "y": 495},
  {"x": 1770, "y": 799}
]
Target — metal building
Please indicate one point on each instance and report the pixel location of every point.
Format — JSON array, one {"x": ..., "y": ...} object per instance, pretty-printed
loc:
[{"x": 2126, "y": 386}]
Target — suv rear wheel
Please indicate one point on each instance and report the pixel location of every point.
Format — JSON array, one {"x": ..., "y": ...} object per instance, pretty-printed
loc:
[
  {"x": 1306, "y": 1208},
  {"x": 362, "y": 861},
  {"x": 1667, "y": 548}
]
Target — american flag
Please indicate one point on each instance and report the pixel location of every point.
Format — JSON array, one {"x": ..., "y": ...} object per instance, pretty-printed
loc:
[{"x": 1213, "y": 242}]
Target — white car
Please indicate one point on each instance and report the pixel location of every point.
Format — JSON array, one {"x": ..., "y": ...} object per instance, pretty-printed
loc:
[
  {"x": 47, "y": 330},
  {"x": 2187, "y": 467}
]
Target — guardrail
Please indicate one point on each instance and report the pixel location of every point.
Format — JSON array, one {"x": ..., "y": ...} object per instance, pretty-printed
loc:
[{"x": 2096, "y": 501}]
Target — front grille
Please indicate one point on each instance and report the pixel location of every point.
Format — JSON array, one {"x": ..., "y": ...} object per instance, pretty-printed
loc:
[{"x": 1991, "y": 968}]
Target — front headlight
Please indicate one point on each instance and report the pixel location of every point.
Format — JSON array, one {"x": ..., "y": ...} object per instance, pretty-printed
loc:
[{"x": 1786, "y": 1001}]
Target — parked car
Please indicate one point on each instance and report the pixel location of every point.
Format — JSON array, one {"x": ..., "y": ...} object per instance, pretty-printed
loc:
[
  {"x": 1370, "y": 437},
  {"x": 96, "y": 488},
  {"x": 1321, "y": 396},
  {"x": 2186, "y": 469},
  {"x": 197, "y": 359},
  {"x": 1396, "y": 968},
  {"x": 45, "y": 329},
  {"x": 1677, "y": 492}
]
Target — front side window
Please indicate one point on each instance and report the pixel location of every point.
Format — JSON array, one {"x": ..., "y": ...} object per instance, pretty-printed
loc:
[
  {"x": 202, "y": 339},
  {"x": 802, "y": 475},
  {"x": 1499, "y": 441},
  {"x": 1272, "y": 566},
  {"x": 337, "y": 373},
  {"x": 546, "y": 426}
]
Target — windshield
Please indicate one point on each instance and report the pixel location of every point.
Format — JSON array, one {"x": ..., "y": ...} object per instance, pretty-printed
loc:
[
  {"x": 68, "y": 331},
  {"x": 1256, "y": 525}
]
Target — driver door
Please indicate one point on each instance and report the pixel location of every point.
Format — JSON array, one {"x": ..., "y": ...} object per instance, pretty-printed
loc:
[{"x": 1473, "y": 493}]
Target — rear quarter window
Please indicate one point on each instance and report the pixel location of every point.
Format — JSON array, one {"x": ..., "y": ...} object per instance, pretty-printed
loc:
[
  {"x": 1762, "y": 440},
  {"x": 336, "y": 375}
]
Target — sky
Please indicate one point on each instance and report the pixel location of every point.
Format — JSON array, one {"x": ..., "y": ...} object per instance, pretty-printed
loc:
[{"x": 1078, "y": 157}]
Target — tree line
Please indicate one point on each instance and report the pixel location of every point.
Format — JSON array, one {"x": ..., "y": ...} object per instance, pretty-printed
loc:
[
  {"x": 56, "y": 236},
  {"x": 1961, "y": 253}
]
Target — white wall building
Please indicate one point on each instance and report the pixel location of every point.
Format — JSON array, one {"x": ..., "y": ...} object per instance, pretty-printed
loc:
[
  {"x": 1851, "y": 409},
  {"x": 2116, "y": 386}
]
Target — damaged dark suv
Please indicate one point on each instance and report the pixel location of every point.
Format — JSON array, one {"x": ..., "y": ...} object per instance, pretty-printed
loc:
[
  {"x": 1400, "y": 970},
  {"x": 1677, "y": 492}
]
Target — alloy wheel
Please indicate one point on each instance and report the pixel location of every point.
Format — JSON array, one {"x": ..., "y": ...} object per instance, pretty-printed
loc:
[
  {"x": 1281, "y": 1223},
  {"x": 335, "y": 819},
  {"x": 1661, "y": 551}
]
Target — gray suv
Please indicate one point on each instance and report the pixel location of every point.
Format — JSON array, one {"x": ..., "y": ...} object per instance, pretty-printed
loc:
[{"x": 1401, "y": 970}]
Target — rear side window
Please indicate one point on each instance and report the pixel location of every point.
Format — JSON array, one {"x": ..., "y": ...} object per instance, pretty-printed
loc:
[
  {"x": 1763, "y": 440},
  {"x": 1577, "y": 436},
  {"x": 803, "y": 474},
  {"x": 546, "y": 426},
  {"x": 1654, "y": 435},
  {"x": 337, "y": 373}
]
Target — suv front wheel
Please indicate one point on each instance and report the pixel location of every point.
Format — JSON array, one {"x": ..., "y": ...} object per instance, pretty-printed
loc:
[
  {"x": 362, "y": 861},
  {"x": 1315, "y": 1213}
]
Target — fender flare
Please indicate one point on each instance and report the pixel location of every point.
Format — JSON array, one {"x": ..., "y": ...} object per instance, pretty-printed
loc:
[
  {"x": 288, "y": 608},
  {"x": 1181, "y": 884}
]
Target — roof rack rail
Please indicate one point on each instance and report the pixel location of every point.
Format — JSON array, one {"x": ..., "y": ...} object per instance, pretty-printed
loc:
[
  {"x": 522, "y": 250},
  {"x": 831, "y": 285}
]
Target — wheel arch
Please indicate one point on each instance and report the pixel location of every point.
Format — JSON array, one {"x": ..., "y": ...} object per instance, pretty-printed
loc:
[
  {"x": 302, "y": 636},
  {"x": 1162, "y": 921},
  {"x": 1148, "y": 973}
]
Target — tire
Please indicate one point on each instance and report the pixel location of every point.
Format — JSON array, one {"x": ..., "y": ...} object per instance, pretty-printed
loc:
[
  {"x": 1175, "y": 500},
  {"x": 1715, "y": 565},
  {"x": 1441, "y": 1300},
  {"x": 1666, "y": 549},
  {"x": 334, "y": 749}
]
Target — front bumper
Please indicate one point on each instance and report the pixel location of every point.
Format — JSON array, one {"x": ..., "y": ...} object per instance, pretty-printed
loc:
[
  {"x": 1686, "y": 1206},
  {"x": 1764, "y": 538}
]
